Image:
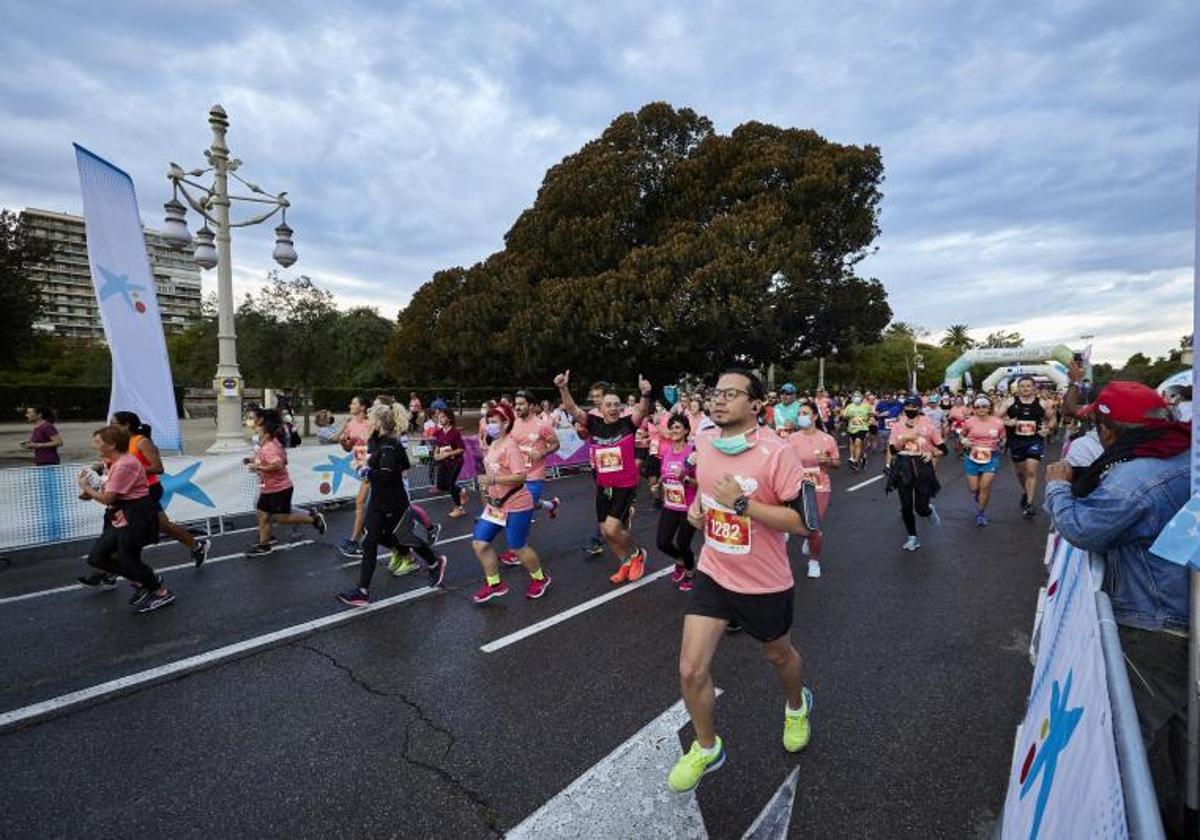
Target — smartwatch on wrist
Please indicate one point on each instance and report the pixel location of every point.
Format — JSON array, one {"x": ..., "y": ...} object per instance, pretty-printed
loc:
[{"x": 740, "y": 505}]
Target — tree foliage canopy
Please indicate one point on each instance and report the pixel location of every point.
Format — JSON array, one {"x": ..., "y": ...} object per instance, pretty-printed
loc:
[
  {"x": 671, "y": 248},
  {"x": 20, "y": 303}
]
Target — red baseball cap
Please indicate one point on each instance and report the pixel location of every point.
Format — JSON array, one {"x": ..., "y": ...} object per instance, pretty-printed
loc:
[{"x": 1128, "y": 402}]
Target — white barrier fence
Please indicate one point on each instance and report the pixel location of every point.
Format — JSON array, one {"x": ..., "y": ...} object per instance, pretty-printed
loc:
[{"x": 41, "y": 505}]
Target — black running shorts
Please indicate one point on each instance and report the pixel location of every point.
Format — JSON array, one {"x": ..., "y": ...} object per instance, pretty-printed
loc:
[
  {"x": 766, "y": 617},
  {"x": 279, "y": 502},
  {"x": 614, "y": 502}
]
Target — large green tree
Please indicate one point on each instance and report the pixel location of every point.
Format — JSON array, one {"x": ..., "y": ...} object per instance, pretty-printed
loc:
[
  {"x": 20, "y": 303},
  {"x": 662, "y": 247}
]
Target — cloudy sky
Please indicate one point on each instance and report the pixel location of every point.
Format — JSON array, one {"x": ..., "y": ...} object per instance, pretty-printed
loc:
[{"x": 1040, "y": 157}]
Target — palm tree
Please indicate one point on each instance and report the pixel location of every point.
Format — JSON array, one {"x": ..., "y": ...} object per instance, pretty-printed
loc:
[{"x": 957, "y": 338}]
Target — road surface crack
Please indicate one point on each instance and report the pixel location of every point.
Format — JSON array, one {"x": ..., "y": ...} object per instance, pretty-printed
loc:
[{"x": 485, "y": 811}]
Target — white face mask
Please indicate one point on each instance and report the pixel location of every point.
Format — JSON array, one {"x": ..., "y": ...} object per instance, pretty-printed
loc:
[
  {"x": 493, "y": 430},
  {"x": 804, "y": 421},
  {"x": 856, "y": 400}
]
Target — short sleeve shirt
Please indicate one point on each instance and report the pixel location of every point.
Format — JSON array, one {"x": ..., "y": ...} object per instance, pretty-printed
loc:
[
  {"x": 739, "y": 553},
  {"x": 44, "y": 455},
  {"x": 809, "y": 448},
  {"x": 928, "y": 440},
  {"x": 269, "y": 454},
  {"x": 504, "y": 457},
  {"x": 127, "y": 478},
  {"x": 533, "y": 436}
]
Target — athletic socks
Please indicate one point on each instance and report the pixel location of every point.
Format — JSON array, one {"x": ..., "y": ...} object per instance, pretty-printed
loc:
[
  {"x": 538, "y": 575},
  {"x": 493, "y": 580}
]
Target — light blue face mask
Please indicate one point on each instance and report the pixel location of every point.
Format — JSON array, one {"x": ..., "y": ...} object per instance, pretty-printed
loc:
[
  {"x": 804, "y": 421},
  {"x": 735, "y": 445},
  {"x": 493, "y": 430}
]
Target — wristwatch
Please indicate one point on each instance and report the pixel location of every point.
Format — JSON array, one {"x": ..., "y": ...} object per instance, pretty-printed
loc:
[{"x": 740, "y": 505}]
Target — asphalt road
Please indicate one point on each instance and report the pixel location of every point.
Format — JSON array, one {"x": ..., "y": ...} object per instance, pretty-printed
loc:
[{"x": 394, "y": 722}]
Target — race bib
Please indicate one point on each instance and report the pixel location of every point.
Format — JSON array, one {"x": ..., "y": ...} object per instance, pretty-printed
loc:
[
  {"x": 1026, "y": 428},
  {"x": 889, "y": 422},
  {"x": 813, "y": 474},
  {"x": 494, "y": 515},
  {"x": 527, "y": 451},
  {"x": 726, "y": 532},
  {"x": 673, "y": 493},
  {"x": 608, "y": 459},
  {"x": 981, "y": 454}
]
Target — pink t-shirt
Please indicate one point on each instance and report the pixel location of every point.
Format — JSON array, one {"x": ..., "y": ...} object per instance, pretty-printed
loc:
[
  {"x": 613, "y": 457},
  {"x": 357, "y": 431},
  {"x": 739, "y": 553},
  {"x": 930, "y": 436},
  {"x": 678, "y": 492},
  {"x": 127, "y": 478},
  {"x": 533, "y": 435},
  {"x": 504, "y": 457},
  {"x": 269, "y": 454},
  {"x": 984, "y": 436},
  {"x": 958, "y": 414},
  {"x": 810, "y": 446}
]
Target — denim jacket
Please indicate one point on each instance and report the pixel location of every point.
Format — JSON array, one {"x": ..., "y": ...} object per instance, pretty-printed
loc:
[{"x": 1120, "y": 520}]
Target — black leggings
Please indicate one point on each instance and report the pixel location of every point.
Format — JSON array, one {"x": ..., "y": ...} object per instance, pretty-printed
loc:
[
  {"x": 447, "y": 479},
  {"x": 379, "y": 526},
  {"x": 118, "y": 551},
  {"x": 675, "y": 537}
]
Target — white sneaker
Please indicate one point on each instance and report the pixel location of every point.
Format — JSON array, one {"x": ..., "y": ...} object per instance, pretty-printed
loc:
[
  {"x": 814, "y": 568},
  {"x": 911, "y": 544}
]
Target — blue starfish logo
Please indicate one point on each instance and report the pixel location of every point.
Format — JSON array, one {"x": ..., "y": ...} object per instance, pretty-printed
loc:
[
  {"x": 339, "y": 467},
  {"x": 182, "y": 483},
  {"x": 1063, "y": 722},
  {"x": 117, "y": 284}
]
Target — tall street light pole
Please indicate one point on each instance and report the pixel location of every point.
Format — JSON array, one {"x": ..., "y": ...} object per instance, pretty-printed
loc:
[{"x": 213, "y": 249}]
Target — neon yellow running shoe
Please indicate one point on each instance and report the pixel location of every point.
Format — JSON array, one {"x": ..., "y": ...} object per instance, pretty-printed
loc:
[
  {"x": 693, "y": 765},
  {"x": 796, "y": 730},
  {"x": 402, "y": 564}
]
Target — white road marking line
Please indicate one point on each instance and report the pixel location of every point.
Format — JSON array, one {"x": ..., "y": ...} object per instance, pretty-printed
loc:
[
  {"x": 599, "y": 803},
  {"x": 200, "y": 660},
  {"x": 513, "y": 638},
  {"x": 435, "y": 545},
  {"x": 861, "y": 484},
  {"x": 188, "y": 565},
  {"x": 775, "y": 818}
]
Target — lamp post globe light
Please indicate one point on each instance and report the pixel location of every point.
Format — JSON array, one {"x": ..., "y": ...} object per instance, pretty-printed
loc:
[{"x": 212, "y": 249}]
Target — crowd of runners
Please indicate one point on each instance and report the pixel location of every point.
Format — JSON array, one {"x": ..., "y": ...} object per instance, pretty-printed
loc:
[{"x": 730, "y": 473}]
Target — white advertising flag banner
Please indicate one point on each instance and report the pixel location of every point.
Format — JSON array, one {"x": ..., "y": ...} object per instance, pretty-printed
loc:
[{"x": 141, "y": 371}]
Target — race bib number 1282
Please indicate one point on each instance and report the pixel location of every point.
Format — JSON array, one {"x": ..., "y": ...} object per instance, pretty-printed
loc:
[{"x": 727, "y": 532}]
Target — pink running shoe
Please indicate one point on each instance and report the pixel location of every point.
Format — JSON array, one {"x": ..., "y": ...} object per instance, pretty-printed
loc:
[
  {"x": 487, "y": 592},
  {"x": 677, "y": 573},
  {"x": 554, "y": 503},
  {"x": 537, "y": 588},
  {"x": 510, "y": 558},
  {"x": 685, "y": 585}
]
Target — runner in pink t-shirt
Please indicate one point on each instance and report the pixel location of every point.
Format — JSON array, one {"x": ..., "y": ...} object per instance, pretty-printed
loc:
[
  {"x": 507, "y": 506},
  {"x": 818, "y": 453},
  {"x": 983, "y": 437},
  {"x": 677, "y": 474},
  {"x": 537, "y": 441},
  {"x": 354, "y": 439},
  {"x": 915, "y": 444},
  {"x": 749, "y": 496},
  {"x": 274, "y": 505}
]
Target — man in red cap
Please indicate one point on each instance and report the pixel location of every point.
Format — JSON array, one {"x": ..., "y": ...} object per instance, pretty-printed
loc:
[{"x": 1116, "y": 507}]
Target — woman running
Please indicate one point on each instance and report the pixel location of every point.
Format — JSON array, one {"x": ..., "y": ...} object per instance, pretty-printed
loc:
[
  {"x": 818, "y": 453},
  {"x": 386, "y": 464},
  {"x": 44, "y": 438},
  {"x": 143, "y": 448},
  {"x": 915, "y": 445},
  {"x": 448, "y": 449},
  {"x": 508, "y": 507},
  {"x": 353, "y": 439},
  {"x": 130, "y": 522},
  {"x": 677, "y": 480},
  {"x": 274, "y": 505},
  {"x": 983, "y": 437}
]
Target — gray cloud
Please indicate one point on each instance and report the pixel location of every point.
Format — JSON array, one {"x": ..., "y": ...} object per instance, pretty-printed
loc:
[{"x": 1039, "y": 156}]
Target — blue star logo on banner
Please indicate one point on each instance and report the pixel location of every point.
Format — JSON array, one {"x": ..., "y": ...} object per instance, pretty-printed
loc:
[
  {"x": 117, "y": 284},
  {"x": 339, "y": 467},
  {"x": 1063, "y": 722},
  {"x": 182, "y": 483}
]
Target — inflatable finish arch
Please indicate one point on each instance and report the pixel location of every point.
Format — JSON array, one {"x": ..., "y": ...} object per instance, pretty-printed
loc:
[
  {"x": 1049, "y": 351},
  {"x": 1056, "y": 372}
]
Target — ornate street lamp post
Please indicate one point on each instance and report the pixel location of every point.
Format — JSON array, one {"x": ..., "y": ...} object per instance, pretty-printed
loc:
[{"x": 212, "y": 249}]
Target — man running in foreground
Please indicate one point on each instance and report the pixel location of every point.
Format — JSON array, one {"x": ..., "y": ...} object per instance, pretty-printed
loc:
[
  {"x": 1031, "y": 423},
  {"x": 748, "y": 501}
]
